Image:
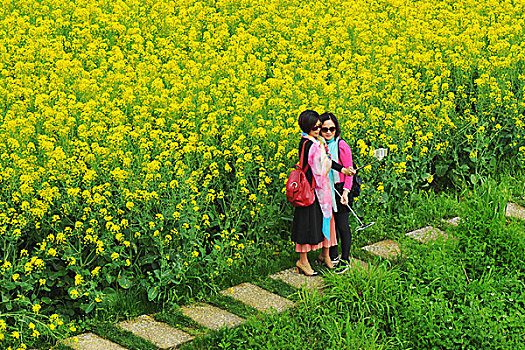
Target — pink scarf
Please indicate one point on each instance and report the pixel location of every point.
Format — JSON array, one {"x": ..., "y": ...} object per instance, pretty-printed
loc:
[{"x": 321, "y": 164}]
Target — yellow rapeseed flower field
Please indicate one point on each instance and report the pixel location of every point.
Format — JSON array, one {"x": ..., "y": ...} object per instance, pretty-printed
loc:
[{"x": 153, "y": 138}]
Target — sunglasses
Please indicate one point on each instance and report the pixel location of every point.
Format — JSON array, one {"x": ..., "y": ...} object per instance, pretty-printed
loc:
[
  {"x": 331, "y": 129},
  {"x": 317, "y": 127}
]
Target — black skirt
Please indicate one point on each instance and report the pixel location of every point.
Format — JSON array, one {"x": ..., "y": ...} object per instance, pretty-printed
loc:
[{"x": 307, "y": 225}]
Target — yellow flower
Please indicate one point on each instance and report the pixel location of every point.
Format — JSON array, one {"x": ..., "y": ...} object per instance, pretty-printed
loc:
[
  {"x": 74, "y": 293},
  {"x": 79, "y": 280}
]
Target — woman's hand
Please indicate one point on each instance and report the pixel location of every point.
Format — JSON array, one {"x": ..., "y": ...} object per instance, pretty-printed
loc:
[
  {"x": 348, "y": 171},
  {"x": 344, "y": 197}
]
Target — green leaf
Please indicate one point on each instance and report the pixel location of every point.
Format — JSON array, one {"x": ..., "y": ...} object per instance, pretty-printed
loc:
[
  {"x": 88, "y": 308},
  {"x": 124, "y": 282},
  {"x": 441, "y": 169},
  {"x": 153, "y": 292},
  {"x": 9, "y": 285}
]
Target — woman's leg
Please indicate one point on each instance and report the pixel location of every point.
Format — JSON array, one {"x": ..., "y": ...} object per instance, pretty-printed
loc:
[
  {"x": 303, "y": 258},
  {"x": 303, "y": 265},
  {"x": 345, "y": 234},
  {"x": 334, "y": 249}
]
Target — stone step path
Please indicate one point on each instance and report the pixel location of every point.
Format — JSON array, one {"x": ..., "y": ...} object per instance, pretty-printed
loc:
[
  {"x": 428, "y": 234},
  {"x": 454, "y": 221},
  {"x": 213, "y": 318},
  {"x": 90, "y": 341},
  {"x": 514, "y": 210},
  {"x": 387, "y": 249},
  {"x": 291, "y": 277},
  {"x": 258, "y": 298},
  {"x": 159, "y": 333}
]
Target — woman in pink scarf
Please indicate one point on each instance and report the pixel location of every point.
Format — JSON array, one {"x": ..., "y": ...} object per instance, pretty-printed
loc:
[{"x": 313, "y": 225}]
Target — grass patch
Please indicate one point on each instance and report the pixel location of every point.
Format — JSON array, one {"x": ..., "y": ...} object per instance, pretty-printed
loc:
[
  {"x": 178, "y": 320},
  {"x": 122, "y": 337},
  {"x": 232, "y": 305},
  {"x": 278, "y": 287},
  {"x": 466, "y": 293}
]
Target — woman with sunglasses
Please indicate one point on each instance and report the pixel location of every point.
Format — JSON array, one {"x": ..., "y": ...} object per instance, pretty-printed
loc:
[
  {"x": 313, "y": 226},
  {"x": 341, "y": 185}
]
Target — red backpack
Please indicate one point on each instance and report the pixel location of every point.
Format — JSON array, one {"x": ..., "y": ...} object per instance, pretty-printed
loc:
[{"x": 298, "y": 189}]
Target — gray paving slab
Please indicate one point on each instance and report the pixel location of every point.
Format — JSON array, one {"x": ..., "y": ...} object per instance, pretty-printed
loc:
[
  {"x": 515, "y": 211},
  {"x": 356, "y": 263},
  {"x": 428, "y": 234},
  {"x": 387, "y": 249},
  {"x": 258, "y": 298},
  {"x": 299, "y": 281},
  {"x": 454, "y": 221},
  {"x": 158, "y": 333},
  {"x": 90, "y": 341},
  {"x": 211, "y": 317}
]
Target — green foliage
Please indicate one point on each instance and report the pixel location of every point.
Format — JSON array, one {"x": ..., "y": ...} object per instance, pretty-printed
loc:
[
  {"x": 278, "y": 287},
  {"x": 122, "y": 337},
  {"x": 176, "y": 319},
  {"x": 464, "y": 293},
  {"x": 232, "y": 305}
]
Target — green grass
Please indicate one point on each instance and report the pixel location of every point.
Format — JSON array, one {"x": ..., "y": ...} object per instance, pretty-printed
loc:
[
  {"x": 178, "y": 320},
  {"x": 122, "y": 337},
  {"x": 466, "y": 293},
  {"x": 278, "y": 287},
  {"x": 232, "y": 305}
]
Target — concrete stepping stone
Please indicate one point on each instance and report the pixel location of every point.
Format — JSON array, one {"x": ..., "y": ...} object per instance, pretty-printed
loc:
[
  {"x": 356, "y": 263},
  {"x": 211, "y": 317},
  {"x": 291, "y": 277},
  {"x": 158, "y": 333},
  {"x": 387, "y": 249},
  {"x": 427, "y": 234},
  {"x": 515, "y": 211},
  {"x": 90, "y": 341},
  {"x": 454, "y": 221},
  {"x": 258, "y": 298}
]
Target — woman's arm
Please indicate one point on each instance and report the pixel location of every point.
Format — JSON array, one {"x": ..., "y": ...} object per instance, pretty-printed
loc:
[
  {"x": 336, "y": 166},
  {"x": 345, "y": 157}
]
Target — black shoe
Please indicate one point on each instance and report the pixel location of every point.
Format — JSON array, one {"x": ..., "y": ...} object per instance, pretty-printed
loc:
[
  {"x": 343, "y": 267},
  {"x": 335, "y": 260}
]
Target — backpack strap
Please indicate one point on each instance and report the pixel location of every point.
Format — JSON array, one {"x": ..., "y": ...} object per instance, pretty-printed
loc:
[
  {"x": 302, "y": 157},
  {"x": 301, "y": 160}
]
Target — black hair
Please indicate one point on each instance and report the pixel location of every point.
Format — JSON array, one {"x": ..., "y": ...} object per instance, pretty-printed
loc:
[
  {"x": 307, "y": 120},
  {"x": 330, "y": 116}
]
